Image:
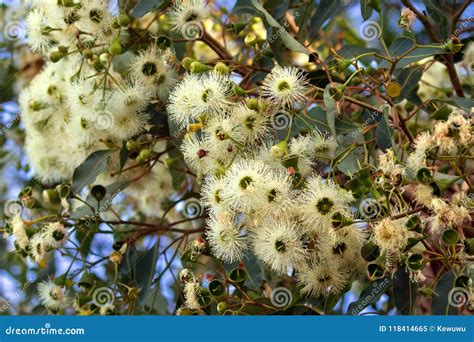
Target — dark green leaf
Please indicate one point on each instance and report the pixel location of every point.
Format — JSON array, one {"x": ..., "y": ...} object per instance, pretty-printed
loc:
[
  {"x": 287, "y": 39},
  {"x": 146, "y": 6},
  {"x": 404, "y": 291},
  {"x": 383, "y": 132},
  {"x": 370, "y": 295},
  {"x": 325, "y": 10},
  {"x": 365, "y": 9},
  {"x": 440, "y": 304},
  {"x": 86, "y": 173}
]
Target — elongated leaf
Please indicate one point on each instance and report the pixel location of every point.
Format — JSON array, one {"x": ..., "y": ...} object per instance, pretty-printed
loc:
[
  {"x": 325, "y": 10},
  {"x": 87, "y": 172},
  {"x": 405, "y": 46},
  {"x": 460, "y": 102},
  {"x": 408, "y": 79},
  {"x": 383, "y": 133},
  {"x": 146, "y": 6},
  {"x": 288, "y": 40},
  {"x": 404, "y": 291},
  {"x": 370, "y": 295},
  {"x": 440, "y": 304},
  {"x": 365, "y": 9},
  {"x": 330, "y": 109},
  {"x": 437, "y": 14}
]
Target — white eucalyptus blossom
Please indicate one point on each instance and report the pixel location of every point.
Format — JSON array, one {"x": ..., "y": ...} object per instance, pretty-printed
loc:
[{"x": 285, "y": 86}]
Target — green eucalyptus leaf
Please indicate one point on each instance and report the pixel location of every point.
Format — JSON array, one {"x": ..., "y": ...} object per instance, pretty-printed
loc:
[{"x": 86, "y": 173}]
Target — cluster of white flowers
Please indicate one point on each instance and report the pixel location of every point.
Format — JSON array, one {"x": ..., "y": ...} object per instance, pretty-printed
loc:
[
  {"x": 80, "y": 104},
  {"x": 36, "y": 243},
  {"x": 263, "y": 195}
]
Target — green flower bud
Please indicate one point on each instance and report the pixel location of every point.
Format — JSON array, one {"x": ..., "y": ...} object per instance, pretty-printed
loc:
[
  {"x": 56, "y": 56},
  {"x": 221, "y": 307},
  {"x": 198, "y": 67},
  {"x": 105, "y": 58},
  {"x": 370, "y": 251},
  {"x": 116, "y": 47},
  {"x": 252, "y": 103},
  {"x": 280, "y": 149},
  {"x": 50, "y": 196},
  {"x": 251, "y": 39},
  {"x": 375, "y": 271},
  {"x": 145, "y": 154},
  {"x": 221, "y": 68},
  {"x": 63, "y": 49},
  {"x": 424, "y": 175},
  {"x": 123, "y": 20},
  {"x": 186, "y": 62},
  {"x": 132, "y": 145},
  {"x": 88, "y": 53},
  {"x": 238, "y": 276}
]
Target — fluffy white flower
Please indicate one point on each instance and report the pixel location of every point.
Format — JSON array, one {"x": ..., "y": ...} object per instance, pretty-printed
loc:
[
  {"x": 18, "y": 230},
  {"x": 197, "y": 154},
  {"x": 151, "y": 68},
  {"x": 320, "y": 200},
  {"x": 225, "y": 237},
  {"x": 54, "y": 235},
  {"x": 191, "y": 294},
  {"x": 39, "y": 38},
  {"x": 285, "y": 86},
  {"x": 199, "y": 95},
  {"x": 52, "y": 296},
  {"x": 279, "y": 244},
  {"x": 245, "y": 184},
  {"x": 37, "y": 250},
  {"x": 94, "y": 17},
  {"x": 391, "y": 235},
  {"x": 321, "y": 279},
  {"x": 211, "y": 193},
  {"x": 186, "y": 11},
  {"x": 220, "y": 137},
  {"x": 251, "y": 126}
]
